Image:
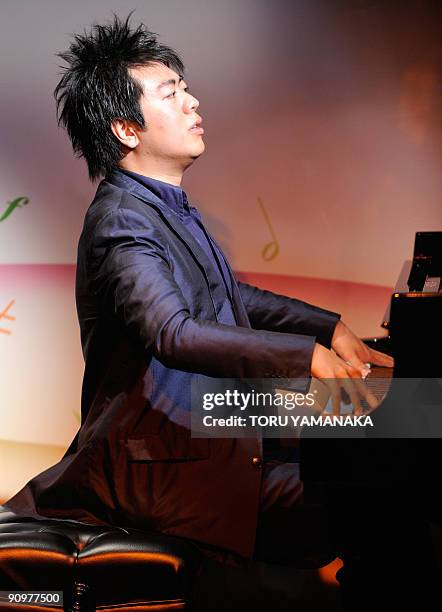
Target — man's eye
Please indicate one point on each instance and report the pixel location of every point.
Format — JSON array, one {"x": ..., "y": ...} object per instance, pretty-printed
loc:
[{"x": 171, "y": 95}]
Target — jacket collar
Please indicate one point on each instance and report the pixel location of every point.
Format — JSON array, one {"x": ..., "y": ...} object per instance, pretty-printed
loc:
[{"x": 171, "y": 195}]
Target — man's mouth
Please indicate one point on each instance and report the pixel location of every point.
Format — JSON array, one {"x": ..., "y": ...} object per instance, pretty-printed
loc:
[{"x": 196, "y": 127}]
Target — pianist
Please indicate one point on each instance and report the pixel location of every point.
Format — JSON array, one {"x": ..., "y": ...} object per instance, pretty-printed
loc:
[{"x": 158, "y": 305}]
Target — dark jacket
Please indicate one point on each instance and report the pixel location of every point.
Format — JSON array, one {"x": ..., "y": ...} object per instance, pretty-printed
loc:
[{"x": 147, "y": 297}]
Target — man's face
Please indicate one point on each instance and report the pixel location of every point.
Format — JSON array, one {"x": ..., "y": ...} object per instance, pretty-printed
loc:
[{"x": 170, "y": 114}]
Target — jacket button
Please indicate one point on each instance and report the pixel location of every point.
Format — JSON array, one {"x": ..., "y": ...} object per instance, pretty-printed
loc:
[{"x": 257, "y": 462}]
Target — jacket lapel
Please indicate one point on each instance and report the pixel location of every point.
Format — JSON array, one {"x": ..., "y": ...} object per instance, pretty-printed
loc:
[{"x": 237, "y": 302}]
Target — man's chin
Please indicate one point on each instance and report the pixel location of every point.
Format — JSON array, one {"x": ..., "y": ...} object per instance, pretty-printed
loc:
[
  {"x": 201, "y": 148},
  {"x": 193, "y": 155},
  {"x": 198, "y": 151}
]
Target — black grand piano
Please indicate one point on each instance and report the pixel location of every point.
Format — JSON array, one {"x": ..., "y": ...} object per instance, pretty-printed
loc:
[
  {"x": 414, "y": 323},
  {"x": 382, "y": 489},
  {"x": 414, "y": 314}
]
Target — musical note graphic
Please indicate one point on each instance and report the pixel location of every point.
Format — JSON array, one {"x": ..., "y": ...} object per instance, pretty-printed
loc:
[
  {"x": 271, "y": 249},
  {"x": 11, "y": 206},
  {"x": 4, "y": 315}
]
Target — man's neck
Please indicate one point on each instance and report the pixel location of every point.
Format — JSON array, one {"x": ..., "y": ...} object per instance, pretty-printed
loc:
[{"x": 171, "y": 176}]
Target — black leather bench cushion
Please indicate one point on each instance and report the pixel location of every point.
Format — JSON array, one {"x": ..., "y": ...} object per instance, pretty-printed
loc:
[{"x": 124, "y": 567}]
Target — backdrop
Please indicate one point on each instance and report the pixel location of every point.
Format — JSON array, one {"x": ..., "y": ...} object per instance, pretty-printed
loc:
[{"x": 322, "y": 160}]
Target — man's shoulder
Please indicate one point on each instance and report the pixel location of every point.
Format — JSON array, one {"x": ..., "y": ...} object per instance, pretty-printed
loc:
[
  {"x": 114, "y": 199},
  {"x": 115, "y": 209}
]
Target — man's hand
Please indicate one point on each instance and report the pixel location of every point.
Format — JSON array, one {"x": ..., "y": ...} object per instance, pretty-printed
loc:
[
  {"x": 340, "y": 376},
  {"x": 345, "y": 369},
  {"x": 357, "y": 354}
]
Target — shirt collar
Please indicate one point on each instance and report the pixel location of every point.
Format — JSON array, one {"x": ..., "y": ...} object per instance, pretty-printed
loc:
[{"x": 173, "y": 196}]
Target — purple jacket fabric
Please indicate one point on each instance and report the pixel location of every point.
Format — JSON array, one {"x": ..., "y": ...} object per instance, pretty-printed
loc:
[{"x": 147, "y": 301}]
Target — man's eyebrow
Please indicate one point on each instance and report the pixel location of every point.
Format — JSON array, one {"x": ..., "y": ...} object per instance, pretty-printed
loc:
[{"x": 169, "y": 82}]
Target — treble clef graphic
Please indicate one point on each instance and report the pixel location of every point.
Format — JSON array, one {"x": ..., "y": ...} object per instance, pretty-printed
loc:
[
  {"x": 11, "y": 206},
  {"x": 271, "y": 249}
]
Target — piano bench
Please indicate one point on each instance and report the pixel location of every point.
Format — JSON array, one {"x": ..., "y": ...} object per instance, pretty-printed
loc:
[{"x": 96, "y": 568}]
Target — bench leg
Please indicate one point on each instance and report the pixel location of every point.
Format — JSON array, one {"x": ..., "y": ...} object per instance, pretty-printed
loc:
[{"x": 82, "y": 600}]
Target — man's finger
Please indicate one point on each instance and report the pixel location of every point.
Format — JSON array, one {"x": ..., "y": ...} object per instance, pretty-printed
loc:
[
  {"x": 381, "y": 359},
  {"x": 365, "y": 393},
  {"x": 335, "y": 395},
  {"x": 360, "y": 371},
  {"x": 352, "y": 391}
]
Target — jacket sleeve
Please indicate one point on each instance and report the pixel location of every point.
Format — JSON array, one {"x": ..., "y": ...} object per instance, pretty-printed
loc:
[
  {"x": 271, "y": 311},
  {"x": 132, "y": 280}
]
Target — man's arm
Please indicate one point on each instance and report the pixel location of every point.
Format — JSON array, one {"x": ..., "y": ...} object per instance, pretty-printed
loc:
[
  {"x": 133, "y": 281},
  {"x": 271, "y": 311}
]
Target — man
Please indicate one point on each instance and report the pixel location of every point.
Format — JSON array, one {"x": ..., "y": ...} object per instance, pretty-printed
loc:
[{"x": 158, "y": 307}]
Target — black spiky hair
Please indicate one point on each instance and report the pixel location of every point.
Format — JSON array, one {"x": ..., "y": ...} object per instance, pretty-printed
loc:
[{"x": 96, "y": 88}]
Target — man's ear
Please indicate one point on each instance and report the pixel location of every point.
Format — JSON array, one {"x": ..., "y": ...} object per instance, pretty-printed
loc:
[{"x": 125, "y": 132}]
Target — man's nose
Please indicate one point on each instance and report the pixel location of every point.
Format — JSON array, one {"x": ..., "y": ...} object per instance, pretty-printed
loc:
[{"x": 191, "y": 103}]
